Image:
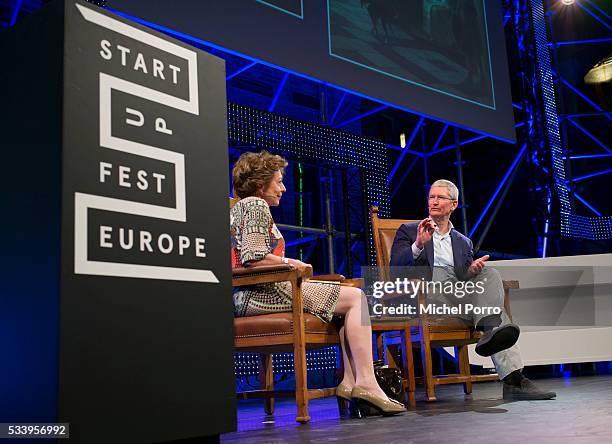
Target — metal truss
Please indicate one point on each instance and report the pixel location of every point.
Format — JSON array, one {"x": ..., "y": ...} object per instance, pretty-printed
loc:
[
  {"x": 532, "y": 132},
  {"x": 550, "y": 167},
  {"x": 540, "y": 142},
  {"x": 278, "y": 92},
  {"x": 408, "y": 157},
  {"x": 239, "y": 71},
  {"x": 558, "y": 134}
]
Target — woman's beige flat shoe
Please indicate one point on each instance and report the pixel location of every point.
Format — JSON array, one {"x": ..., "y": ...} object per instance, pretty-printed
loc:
[
  {"x": 384, "y": 406},
  {"x": 344, "y": 392}
]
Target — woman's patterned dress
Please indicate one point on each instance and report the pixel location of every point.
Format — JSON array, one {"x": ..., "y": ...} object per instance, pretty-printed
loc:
[{"x": 254, "y": 235}]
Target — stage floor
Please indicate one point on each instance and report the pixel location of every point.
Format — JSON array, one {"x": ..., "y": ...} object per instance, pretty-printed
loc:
[{"x": 582, "y": 413}]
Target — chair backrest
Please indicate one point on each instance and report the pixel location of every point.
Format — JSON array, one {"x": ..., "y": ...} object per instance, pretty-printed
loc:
[
  {"x": 233, "y": 201},
  {"x": 383, "y": 231}
]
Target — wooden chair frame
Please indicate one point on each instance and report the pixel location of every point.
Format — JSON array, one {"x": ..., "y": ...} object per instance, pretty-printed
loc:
[
  {"x": 297, "y": 341},
  {"x": 422, "y": 332}
]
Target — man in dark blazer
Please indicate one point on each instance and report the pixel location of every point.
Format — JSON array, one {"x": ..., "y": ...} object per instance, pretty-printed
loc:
[{"x": 434, "y": 250}]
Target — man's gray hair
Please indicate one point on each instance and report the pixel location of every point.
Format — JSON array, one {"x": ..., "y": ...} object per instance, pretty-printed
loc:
[{"x": 453, "y": 191}]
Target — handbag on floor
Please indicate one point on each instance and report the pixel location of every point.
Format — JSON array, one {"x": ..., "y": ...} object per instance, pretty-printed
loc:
[{"x": 389, "y": 380}]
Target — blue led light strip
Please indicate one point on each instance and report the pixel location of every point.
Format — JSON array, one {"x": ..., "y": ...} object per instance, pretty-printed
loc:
[
  {"x": 589, "y": 135},
  {"x": 588, "y": 176},
  {"x": 340, "y": 102},
  {"x": 361, "y": 116},
  {"x": 586, "y": 204},
  {"x": 241, "y": 70},
  {"x": 15, "y": 12},
  {"x": 498, "y": 189},
  {"x": 278, "y": 92},
  {"x": 601, "y": 11},
  {"x": 581, "y": 42},
  {"x": 405, "y": 150},
  {"x": 595, "y": 16},
  {"x": 440, "y": 137}
]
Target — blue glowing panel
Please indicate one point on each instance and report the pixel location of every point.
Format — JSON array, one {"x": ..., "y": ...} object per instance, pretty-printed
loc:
[{"x": 429, "y": 57}]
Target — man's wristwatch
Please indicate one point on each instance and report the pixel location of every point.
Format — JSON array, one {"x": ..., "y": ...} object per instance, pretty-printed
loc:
[{"x": 284, "y": 260}]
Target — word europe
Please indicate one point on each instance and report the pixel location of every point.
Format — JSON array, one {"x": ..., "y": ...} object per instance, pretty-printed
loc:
[{"x": 145, "y": 241}]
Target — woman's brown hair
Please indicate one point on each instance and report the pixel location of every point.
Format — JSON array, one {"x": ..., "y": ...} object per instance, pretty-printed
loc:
[{"x": 253, "y": 171}]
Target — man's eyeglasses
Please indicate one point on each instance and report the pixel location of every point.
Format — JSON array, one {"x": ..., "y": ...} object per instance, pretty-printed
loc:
[{"x": 440, "y": 198}]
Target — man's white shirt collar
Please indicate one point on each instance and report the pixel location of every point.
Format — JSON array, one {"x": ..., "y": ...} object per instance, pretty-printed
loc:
[{"x": 443, "y": 236}]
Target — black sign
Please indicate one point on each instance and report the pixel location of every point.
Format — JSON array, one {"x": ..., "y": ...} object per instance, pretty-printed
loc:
[{"x": 146, "y": 309}]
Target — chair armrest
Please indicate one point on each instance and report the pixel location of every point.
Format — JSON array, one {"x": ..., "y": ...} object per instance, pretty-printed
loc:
[
  {"x": 265, "y": 274},
  {"x": 329, "y": 277},
  {"x": 508, "y": 285},
  {"x": 259, "y": 269},
  {"x": 354, "y": 282}
]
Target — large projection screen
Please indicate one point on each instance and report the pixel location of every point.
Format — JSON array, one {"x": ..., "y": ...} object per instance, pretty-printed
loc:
[{"x": 445, "y": 59}]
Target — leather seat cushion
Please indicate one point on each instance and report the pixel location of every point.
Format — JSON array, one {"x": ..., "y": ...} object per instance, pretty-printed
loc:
[{"x": 279, "y": 324}]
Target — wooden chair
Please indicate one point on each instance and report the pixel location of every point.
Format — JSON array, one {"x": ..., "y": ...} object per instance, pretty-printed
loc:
[
  {"x": 424, "y": 331},
  {"x": 294, "y": 331}
]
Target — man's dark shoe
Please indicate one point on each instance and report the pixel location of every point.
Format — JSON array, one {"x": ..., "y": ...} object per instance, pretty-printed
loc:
[
  {"x": 526, "y": 391},
  {"x": 498, "y": 339}
]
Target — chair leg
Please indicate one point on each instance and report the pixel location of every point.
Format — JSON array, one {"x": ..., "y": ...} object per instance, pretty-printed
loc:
[
  {"x": 464, "y": 367},
  {"x": 408, "y": 367},
  {"x": 299, "y": 354},
  {"x": 301, "y": 388},
  {"x": 392, "y": 352},
  {"x": 430, "y": 388},
  {"x": 380, "y": 352},
  {"x": 266, "y": 380}
]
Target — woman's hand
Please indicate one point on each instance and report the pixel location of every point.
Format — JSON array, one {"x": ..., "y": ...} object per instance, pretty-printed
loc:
[
  {"x": 272, "y": 259},
  {"x": 299, "y": 264}
]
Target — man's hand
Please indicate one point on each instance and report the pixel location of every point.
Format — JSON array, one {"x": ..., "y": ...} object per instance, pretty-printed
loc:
[
  {"x": 477, "y": 266},
  {"x": 425, "y": 232}
]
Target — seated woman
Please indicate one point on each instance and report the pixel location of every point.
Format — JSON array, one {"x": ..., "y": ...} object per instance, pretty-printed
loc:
[{"x": 258, "y": 182}]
